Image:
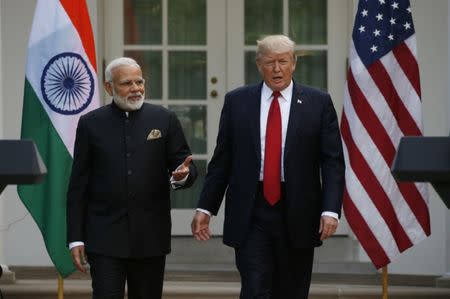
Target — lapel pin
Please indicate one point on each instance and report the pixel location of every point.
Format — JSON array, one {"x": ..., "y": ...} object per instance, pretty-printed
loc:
[{"x": 299, "y": 101}]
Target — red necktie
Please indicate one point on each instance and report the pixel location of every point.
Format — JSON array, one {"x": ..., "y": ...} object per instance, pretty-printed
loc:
[{"x": 272, "y": 156}]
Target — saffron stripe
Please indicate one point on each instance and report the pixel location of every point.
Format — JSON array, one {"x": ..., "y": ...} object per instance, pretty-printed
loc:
[{"x": 78, "y": 14}]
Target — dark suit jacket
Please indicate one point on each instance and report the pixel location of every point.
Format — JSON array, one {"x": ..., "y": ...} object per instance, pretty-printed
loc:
[
  {"x": 118, "y": 198},
  {"x": 313, "y": 164}
]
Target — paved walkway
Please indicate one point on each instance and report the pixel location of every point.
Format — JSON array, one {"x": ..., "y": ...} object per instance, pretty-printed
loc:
[{"x": 80, "y": 289}]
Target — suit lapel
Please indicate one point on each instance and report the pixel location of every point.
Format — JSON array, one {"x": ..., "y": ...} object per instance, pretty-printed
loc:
[{"x": 299, "y": 105}]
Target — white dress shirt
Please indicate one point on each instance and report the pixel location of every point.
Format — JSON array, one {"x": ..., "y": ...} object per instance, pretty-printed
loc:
[{"x": 285, "y": 106}]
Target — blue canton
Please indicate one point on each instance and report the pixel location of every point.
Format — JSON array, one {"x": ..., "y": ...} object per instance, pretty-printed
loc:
[{"x": 380, "y": 25}]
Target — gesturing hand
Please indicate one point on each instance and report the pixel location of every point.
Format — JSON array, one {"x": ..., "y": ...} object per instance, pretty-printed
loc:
[{"x": 182, "y": 171}]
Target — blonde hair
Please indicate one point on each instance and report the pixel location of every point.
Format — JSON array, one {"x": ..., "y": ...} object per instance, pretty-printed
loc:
[{"x": 275, "y": 43}]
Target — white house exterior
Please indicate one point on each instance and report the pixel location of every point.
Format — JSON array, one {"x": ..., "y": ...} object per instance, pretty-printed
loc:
[{"x": 20, "y": 241}]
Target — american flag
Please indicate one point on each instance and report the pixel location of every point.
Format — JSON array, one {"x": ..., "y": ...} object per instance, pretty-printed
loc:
[{"x": 381, "y": 104}]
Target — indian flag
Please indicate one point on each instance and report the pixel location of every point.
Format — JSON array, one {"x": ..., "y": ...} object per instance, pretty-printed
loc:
[{"x": 60, "y": 86}]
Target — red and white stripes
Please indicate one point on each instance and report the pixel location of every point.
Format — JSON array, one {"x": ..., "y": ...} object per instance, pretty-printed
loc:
[{"x": 382, "y": 104}]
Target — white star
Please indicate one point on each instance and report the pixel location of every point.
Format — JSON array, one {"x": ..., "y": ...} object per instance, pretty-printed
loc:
[
  {"x": 362, "y": 29},
  {"x": 409, "y": 9},
  {"x": 391, "y": 36},
  {"x": 376, "y": 32},
  {"x": 365, "y": 13},
  {"x": 392, "y": 21},
  {"x": 395, "y": 5},
  {"x": 374, "y": 48},
  {"x": 379, "y": 17},
  {"x": 407, "y": 26},
  {"x": 382, "y": 1}
]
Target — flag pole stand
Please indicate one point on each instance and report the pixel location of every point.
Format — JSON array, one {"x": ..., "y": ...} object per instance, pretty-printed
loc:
[
  {"x": 60, "y": 287},
  {"x": 385, "y": 282}
]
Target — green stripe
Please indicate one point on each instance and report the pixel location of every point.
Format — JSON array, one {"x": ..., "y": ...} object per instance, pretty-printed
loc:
[{"x": 46, "y": 202}]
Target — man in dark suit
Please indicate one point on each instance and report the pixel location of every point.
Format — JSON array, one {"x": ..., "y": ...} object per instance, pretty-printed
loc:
[
  {"x": 279, "y": 158},
  {"x": 126, "y": 156}
]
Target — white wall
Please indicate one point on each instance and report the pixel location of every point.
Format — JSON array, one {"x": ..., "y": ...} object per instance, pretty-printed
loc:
[
  {"x": 22, "y": 241},
  {"x": 23, "y": 244},
  {"x": 432, "y": 30},
  {"x": 447, "y": 222},
  {"x": 2, "y": 257}
]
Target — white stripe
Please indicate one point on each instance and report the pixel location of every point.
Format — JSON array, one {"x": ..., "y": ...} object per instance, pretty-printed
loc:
[
  {"x": 423, "y": 189},
  {"x": 52, "y": 34},
  {"x": 382, "y": 172},
  {"x": 412, "y": 45},
  {"x": 404, "y": 88},
  {"x": 374, "y": 97},
  {"x": 368, "y": 211},
  {"x": 47, "y": 19}
]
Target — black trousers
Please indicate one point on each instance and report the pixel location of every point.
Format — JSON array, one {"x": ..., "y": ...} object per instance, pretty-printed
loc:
[
  {"x": 144, "y": 277},
  {"x": 269, "y": 267}
]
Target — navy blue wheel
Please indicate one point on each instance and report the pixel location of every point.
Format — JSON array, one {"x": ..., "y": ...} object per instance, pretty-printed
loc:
[{"x": 67, "y": 84}]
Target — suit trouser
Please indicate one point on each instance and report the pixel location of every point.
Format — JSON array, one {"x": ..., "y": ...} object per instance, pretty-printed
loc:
[
  {"x": 144, "y": 277},
  {"x": 269, "y": 267}
]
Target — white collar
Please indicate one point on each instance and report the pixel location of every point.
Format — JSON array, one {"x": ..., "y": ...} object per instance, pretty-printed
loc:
[{"x": 286, "y": 94}]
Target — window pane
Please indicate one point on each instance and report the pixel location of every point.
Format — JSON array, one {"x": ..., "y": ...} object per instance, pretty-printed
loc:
[
  {"x": 308, "y": 21},
  {"x": 142, "y": 21},
  {"x": 187, "y": 198},
  {"x": 151, "y": 65},
  {"x": 187, "y": 22},
  {"x": 311, "y": 69},
  {"x": 193, "y": 121},
  {"x": 262, "y": 17},
  {"x": 187, "y": 75},
  {"x": 252, "y": 75}
]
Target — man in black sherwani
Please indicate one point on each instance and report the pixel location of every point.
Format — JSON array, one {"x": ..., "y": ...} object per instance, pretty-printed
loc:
[{"x": 127, "y": 155}]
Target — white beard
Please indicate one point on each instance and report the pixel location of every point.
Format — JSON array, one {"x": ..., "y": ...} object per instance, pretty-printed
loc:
[{"x": 127, "y": 105}]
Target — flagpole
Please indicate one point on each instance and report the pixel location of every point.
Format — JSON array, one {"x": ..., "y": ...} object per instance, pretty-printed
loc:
[
  {"x": 385, "y": 282},
  {"x": 60, "y": 287}
]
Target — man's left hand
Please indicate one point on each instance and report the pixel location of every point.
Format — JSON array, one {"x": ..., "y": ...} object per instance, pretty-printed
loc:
[
  {"x": 183, "y": 170},
  {"x": 328, "y": 226}
]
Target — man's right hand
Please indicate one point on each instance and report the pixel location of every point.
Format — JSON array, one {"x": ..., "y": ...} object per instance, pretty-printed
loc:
[
  {"x": 79, "y": 258},
  {"x": 200, "y": 226}
]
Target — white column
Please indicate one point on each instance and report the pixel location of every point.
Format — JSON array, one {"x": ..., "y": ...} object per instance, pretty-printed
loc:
[
  {"x": 2, "y": 199},
  {"x": 445, "y": 279},
  {"x": 7, "y": 275}
]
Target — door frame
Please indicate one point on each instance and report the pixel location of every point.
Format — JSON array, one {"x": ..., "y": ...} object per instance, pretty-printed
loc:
[
  {"x": 339, "y": 24},
  {"x": 216, "y": 67},
  {"x": 225, "y": 61}
]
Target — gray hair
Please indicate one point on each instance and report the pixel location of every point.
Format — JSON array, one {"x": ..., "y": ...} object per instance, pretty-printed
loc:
[
  {"x": 275, "y": 43},
  {"x": 118, "y": 62}
]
